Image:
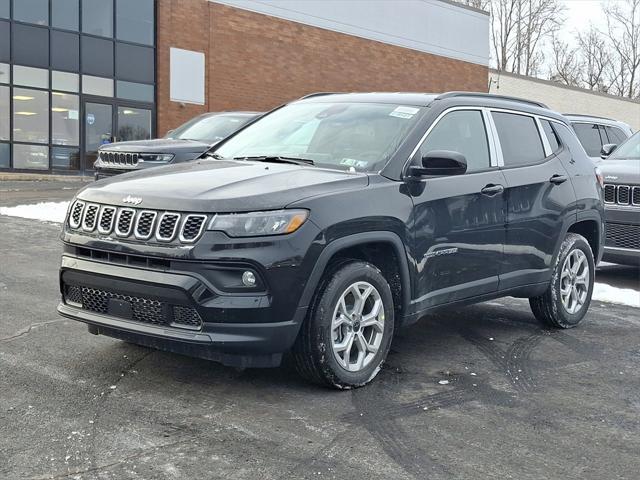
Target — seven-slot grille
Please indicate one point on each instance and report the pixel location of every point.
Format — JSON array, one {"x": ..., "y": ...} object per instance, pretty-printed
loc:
[
  {"x": 142, "y": 309},
  {"x": 622, "y": 194},
  {"x": 622, "y": 235},
  {"x": 126, "y": 222},
  {"x": 121, "y": 159}
]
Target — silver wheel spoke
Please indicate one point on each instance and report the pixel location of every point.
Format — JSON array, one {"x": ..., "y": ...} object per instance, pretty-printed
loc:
[{"x": 574, "y": 281}]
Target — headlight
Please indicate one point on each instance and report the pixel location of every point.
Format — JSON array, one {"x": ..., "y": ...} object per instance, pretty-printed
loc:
[
  {"x": 156, "y": 157},
  {"x": 257, "y": 224}
]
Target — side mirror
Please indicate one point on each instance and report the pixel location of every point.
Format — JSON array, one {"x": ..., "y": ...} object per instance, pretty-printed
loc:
[
  {"x": 607, "y": 149},
  {"x": 440, "y": 163}
]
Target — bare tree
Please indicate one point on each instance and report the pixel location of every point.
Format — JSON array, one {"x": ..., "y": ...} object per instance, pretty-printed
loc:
[
  {"x": 623, "y": 22},
  {"x": 566, "y": 63},
  {"x": 596, "y": 59}
]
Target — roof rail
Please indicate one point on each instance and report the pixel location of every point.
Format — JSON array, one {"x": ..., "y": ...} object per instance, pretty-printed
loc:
[
  {"x": 490, "y": 95},
  {"x": 317, "y": 94},
  {"x": 586, "y": 115}
]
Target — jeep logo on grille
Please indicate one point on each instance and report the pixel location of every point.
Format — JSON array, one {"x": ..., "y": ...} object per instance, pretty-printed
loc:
[{"x": 132, "y": 200}]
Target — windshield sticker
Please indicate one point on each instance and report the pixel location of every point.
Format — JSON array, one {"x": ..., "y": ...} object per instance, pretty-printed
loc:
[
  {"x": 352, "y": 162},
  {"x": 404, "y": 112}
]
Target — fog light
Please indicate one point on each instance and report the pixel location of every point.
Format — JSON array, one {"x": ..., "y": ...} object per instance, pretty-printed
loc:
[{"x": 249, "y": 279}]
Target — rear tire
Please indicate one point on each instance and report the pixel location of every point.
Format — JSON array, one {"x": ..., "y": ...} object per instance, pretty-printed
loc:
[
  {"x": 348, "y": 331},
  {"x": 566, "y": 301}
]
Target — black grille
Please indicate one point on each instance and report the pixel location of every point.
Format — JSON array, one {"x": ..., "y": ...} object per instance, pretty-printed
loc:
[
  {"x": 623, "y": 195},
  {"x": 192, "y": 227},
  {"x": 90, "y": 217},
  {"x": 125, "y": 219},
  {"x": 144, "y": 225},
  {"x": 143, "y": 310},
  {"x": 167, "y": 227},
  {"x": 106, "y": 219},
  {"x": 186, "y": 316},
  {"x": 621, "y": 235},
  {"x": 119, "y": 158},
  {"x": 635, "y": 196},
  {"x": 76, "y": 214},
  {"x": 610, "y": 193}
]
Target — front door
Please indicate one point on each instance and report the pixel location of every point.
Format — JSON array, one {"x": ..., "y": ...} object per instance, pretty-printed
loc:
[
  {"x": 459, "y": 221},
  {"x": 98, "y": 131}
]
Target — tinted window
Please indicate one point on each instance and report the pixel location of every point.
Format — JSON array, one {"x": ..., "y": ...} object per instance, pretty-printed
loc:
[
  {"x": 589, "y": 136},
  {"x": 519, "y": 139},
  {"x": 30, "y": 45},
  {"x": 615, "y": 135},
  {"x": 30, "y": 157},
  {"x": 5, "y": 9},
  {"x": 30, "y": 77},
  {"x": 97, "y": 17},
  {"x": 64, "y": 14},
  {"x": 134, "y": 21},
  {"x": 65, "y": 51},
  {"x": 68, "y": 82},
  {"x": 4, "y": 72},
  {"x": 551, "y": 135},
  {"x": 65, "y": 158},
  {"x": 31, "y": 11},
  {"x": 65, "y": 119},
  {"x": 4, "y": 113},
  {"x": 463, "y": 132},
  {"x": 97, "y": 56},
  {"x": 5, "y": 45},
  {"x": 134, "y": 63},
  {"x": 97, "y": 86},
  {"x": 5, "y": 155},
  {"x": 133, "y": 124},
  {"x": 135, "y": 91},
  {"x": 30, "y": 115}
]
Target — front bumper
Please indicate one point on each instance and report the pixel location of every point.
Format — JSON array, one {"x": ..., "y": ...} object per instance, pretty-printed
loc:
[
  {"x": 232, "y": 329},
  {"x": 622, "y": 244}
]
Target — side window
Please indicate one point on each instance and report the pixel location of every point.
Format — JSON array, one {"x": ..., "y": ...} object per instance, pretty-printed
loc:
[
  {"x": 519, "y": 138},
  {"x": 589, "y": 136},
  {"x": 461, "y": 131},
  {"x": 615, "y": 135},
  {"x": 552, "y": 136}
]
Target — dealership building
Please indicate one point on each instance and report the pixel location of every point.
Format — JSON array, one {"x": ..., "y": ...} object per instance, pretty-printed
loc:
[{"x": 77, "y": 74}]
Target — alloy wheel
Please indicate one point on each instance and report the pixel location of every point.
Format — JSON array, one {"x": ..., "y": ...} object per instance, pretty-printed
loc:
[{"x": 574, "y": 281}]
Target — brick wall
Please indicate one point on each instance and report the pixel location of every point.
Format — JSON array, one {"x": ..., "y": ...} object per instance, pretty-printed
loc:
[{"x": 256, "y": 62}]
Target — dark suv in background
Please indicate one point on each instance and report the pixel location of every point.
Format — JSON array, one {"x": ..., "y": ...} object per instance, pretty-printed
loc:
[
  {"x": 186, "y": 142},
  {"x": 332, "y": 221}
]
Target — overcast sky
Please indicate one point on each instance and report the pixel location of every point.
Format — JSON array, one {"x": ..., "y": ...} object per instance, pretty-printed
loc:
[{"x": 579, "y": 14}]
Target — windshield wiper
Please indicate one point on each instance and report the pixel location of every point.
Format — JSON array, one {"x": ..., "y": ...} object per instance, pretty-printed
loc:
[{"x": 278, "y": 159}]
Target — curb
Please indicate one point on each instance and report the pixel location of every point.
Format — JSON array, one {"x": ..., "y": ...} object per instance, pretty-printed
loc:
[{"x": 43, "y": 177}]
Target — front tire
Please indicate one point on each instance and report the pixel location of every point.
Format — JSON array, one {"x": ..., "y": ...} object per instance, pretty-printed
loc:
[
  {"x": 348, "y": 332},
  {"x": 566, "y": 301}
]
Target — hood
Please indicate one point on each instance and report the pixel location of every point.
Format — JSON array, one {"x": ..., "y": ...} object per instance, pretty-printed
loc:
[
  {"x": 624, "y": 171},
  {"x": 221, "y": 186},
  {"x": 159, "y": 145}
]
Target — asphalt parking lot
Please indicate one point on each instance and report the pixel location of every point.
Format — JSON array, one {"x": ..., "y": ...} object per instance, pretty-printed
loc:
[{"x": 469, "y": 393}]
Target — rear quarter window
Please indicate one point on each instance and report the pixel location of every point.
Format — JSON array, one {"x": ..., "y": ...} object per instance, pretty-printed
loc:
[
  {"x": 589, "y": 136},
  {"x": 552, "y": 136},
  {"x": 519, "y": 138},
  {"x": 615, "y": 135}
]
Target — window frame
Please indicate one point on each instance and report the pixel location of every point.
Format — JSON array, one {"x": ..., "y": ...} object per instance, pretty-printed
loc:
[{"x": 494, "y": 161}]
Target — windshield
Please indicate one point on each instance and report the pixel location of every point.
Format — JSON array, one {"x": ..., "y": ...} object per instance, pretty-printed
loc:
[
  {"x": 347, "y": 136},
  {"x": 209, "y": 129},
  {"x": 629, "y": 150}
]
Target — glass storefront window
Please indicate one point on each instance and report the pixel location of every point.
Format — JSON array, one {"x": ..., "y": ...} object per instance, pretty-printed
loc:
[
  {"x": 65, "y": 51},
  {"x": 67, "y": 82},
  {"x": 4, "y": 73},
  {"x": 5, "y": 8},
  {"x": 97, "y": 86},
  {"x": 134, "y": 63},
  {"x": 5, "y": 155},
  {"x": 135, "y": 91},
  {"x": 31, "y": 11},
  {"x": 97, "y": 17},
  {"x": 30, "y": 116},
  {"x": 4, "y": 113},
  {"x": 5, "y": 45},
  {"x": 97, "y": 56},
  {"x": 30, "y": 156},
  {"x": 133, "y": 124},
  {"x": 65, "y": 119},
  {"x": 30, "y": 77},
  {"x": 64, "y": 14},
  {"x": 30, "y": 45},
  {"x": 135, "y": 21},
  {"x": 65, "y": 158}
]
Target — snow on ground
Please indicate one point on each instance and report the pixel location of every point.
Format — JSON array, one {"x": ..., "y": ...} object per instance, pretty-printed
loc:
[
  {"x": 622, "y": 296},
  {"x": 45, "y": 211}
]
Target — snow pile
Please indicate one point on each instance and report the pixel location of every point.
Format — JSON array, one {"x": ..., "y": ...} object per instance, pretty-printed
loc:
[
  {"x": 621, "y": 296},
  {"x": 45, "y": 211}
]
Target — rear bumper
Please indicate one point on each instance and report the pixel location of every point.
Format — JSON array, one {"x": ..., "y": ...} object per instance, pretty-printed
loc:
[{"x": 137, "y": 305}]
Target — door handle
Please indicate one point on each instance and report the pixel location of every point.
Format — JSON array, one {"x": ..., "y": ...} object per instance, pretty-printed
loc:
[
  {"x": 558, "y": 179},
  {"x": 492, "y": 190}
]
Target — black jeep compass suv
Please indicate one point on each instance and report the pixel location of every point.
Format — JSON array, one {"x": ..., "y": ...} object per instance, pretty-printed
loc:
[{"x": 334, "y": 220}]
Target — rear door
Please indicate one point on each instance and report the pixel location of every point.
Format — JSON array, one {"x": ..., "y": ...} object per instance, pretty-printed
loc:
[
  {"x": 539, "y": 195},
  {"x": 459, "y": 220}
]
